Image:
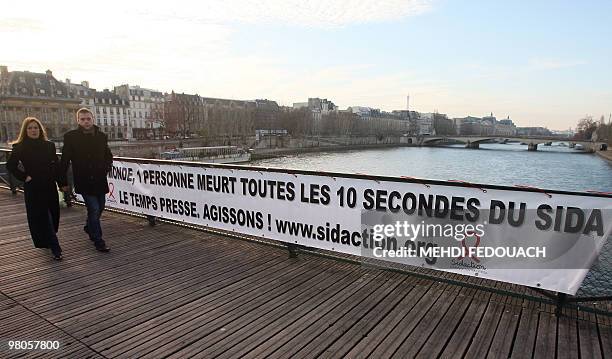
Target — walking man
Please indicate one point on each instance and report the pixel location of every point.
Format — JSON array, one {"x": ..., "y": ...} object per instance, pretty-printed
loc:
[{"x": 87, "y": 149}]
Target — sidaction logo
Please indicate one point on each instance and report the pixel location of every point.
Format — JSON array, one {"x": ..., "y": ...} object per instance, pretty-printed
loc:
[
  {"x": 469, "y": 260},
  {"x": 111, "y": 193}
]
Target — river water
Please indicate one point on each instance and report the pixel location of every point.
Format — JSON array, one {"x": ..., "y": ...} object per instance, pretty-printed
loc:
[{"x": 550, "y": 167}]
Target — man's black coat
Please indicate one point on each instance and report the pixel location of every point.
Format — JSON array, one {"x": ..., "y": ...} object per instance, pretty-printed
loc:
[{"x": 91, "y": 160}]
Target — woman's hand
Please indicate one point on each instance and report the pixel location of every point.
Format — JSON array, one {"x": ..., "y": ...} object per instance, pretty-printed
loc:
[{"x": 28, "y": 179}]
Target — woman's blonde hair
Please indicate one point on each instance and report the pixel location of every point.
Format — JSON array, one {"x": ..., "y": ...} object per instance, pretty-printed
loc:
[{"x": 23, "y": 132}]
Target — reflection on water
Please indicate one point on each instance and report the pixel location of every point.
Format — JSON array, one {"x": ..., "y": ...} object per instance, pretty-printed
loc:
[{"x": 550, "y": 167}]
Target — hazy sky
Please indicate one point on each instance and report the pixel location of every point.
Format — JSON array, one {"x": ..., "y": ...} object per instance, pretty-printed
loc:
[{"x": 540, "y": 62}]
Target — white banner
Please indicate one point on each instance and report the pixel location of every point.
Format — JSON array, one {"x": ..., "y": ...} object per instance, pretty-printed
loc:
[{"x": 531, "y": 238}]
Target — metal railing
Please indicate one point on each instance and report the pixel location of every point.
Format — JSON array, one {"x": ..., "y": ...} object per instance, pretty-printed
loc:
[{"x": 595, "y": 294}]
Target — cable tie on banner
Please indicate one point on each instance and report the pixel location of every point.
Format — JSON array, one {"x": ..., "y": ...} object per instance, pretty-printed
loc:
[
  {"x": 261, "y": 173},
  {"x": 469, "y": 184},
  {"x": 418, "y": 179},
  {"x": 535, "y": 188},
  {"x": 599, "y": 192}
]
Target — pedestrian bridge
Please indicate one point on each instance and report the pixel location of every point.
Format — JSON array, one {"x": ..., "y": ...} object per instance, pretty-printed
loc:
[
  {"x": 532, "y": 142},
  {"x": 181, "y": 292}
]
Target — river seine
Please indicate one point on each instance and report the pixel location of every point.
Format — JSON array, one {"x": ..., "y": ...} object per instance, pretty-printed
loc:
[{"x": 550, "y": 167}]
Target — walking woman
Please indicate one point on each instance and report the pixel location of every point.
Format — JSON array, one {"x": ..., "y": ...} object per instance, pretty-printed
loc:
[{"x": 34, "y": 162}]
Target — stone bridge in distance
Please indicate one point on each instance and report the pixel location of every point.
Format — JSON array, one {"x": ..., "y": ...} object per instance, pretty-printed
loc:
[{"x": 531, "y": 141}]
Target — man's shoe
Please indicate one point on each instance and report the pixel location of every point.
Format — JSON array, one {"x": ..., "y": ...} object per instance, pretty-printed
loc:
[
  {"x": 103, "y": 249},
  {"x": 58, "y": 257}
]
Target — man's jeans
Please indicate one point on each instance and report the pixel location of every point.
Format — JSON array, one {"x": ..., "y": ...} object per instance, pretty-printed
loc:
[{"x": 95, "y": 206}]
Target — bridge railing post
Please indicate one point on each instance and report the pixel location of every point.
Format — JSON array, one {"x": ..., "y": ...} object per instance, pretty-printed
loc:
[{"x": 561, "y": 300}]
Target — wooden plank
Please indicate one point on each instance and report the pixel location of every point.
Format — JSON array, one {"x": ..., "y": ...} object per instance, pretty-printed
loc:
[
  {"x": 411, "y": 346},
  {"x": 437, "y": 340},
  {"x": 235, "y": 332},
  {"x": 87, "y": 323},
  {"x": 462, "y": 336},
  {"x": 394, "y": 339},
  {"x": 605, "y": 337},
  {"x": 306, "y": 327},
  {"x": 501, "y": 344},
  {"x": 253, "y": 304},
  {"x": 526, "y": 335},
  {"x": 588, "y": 340},
  {"x": 567, "y": 338},
  {"x": 362, "y": 328},
  {"x": 481, "y": 342},
  {"x": 547, "y": 336},
  {"x": 370, "y": 340},
  {"x": 272, "y": 326}
]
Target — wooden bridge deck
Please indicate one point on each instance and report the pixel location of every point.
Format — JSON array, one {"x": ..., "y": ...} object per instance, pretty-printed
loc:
[{"x": 169, "y": 291}]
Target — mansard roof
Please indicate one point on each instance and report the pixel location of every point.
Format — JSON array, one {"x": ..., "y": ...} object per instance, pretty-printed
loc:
[{"x": 33, "y": 85}]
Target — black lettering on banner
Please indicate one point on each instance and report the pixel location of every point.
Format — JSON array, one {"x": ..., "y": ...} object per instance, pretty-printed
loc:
[
  {"x": 570, "y": 220},
  {"x": 571, "y": 214},
  {"x": 425, "y": 205},
  {"x": 219, "y": 184},
  {"x": 473, "y": 212},
  {"x": 121, "y": 173},
  {"x": 315, "y": 194},
  {"x": 168, "y": 179},
  {"x": 409, "y": 209},
  {"x": 179, "y": 207},
  {"x": 456, "y": 210},
  {"x": 230, "y": 215},
  {"x": 516, "y": 222},
  {"x": 347, "y": 197},
  {"x": 441, "y": 208},
  {"x": 268, "y": 189},
  {"x": 594, "y": 223},
  {"x": 545, "y": 220},
  {"x": 496, "y": 217}
]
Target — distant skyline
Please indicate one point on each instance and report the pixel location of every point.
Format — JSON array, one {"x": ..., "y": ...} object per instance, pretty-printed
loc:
[{"x": 543, "y": 63}]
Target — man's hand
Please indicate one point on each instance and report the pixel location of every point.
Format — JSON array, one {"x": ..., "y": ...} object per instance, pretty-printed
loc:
[
  {"x": 65, "y": 188},
  {"x": 28, "y": 179}
]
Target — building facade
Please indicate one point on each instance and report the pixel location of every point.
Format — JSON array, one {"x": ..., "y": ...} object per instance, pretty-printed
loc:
[
  {"x": 112, "y": 114},
  {"x": 84, "y": 93},
  {"x": 24, "y": 93},
  {"x": 146, "y": 111}
]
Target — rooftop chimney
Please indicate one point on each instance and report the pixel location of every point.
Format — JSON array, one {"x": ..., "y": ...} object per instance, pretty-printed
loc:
[
  {"x": 68, "y": 81},
  {"x": 85, "y": 83},
  {"x": 49, "y": 73},
  {"x": 3, "y": 69}
]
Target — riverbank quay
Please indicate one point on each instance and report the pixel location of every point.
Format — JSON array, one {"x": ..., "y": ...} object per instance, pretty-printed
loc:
[
  {"x": 606, "y": 155},
  {"x": 178, "y": 291},
  {"x": 279, "y": 152}
]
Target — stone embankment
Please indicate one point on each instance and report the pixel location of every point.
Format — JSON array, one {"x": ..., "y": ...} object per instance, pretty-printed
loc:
[{"x": 607, "y": 155}]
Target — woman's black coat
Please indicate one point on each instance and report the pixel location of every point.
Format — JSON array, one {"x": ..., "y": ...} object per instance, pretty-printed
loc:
[{"x": 37, "y": 159}]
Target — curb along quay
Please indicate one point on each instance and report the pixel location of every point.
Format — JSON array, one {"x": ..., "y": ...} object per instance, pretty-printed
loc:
[{"x": 196, "y": 285}]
